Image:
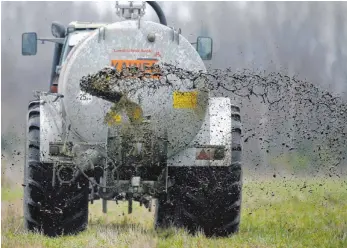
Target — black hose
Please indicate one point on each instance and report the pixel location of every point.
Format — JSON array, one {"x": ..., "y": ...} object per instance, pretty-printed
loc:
[{"x": 159, "y": 12}]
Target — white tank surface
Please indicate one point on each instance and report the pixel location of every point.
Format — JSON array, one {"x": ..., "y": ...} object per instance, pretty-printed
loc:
[{"x": 179, "y": 111}]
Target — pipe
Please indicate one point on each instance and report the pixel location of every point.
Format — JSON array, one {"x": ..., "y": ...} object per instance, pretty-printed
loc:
[
  {"x": 56, "y": 59},
  {"x": 158, "y": 11},
  {"x": 107, "y": 195},
  {"x": 59, "y": 33}
]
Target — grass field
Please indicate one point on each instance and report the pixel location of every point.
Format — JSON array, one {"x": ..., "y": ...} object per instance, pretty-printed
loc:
[{"x": 276, "y": 213}]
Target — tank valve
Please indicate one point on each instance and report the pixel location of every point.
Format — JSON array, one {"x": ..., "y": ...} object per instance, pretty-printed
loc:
[{"x": 130, "y": 10}]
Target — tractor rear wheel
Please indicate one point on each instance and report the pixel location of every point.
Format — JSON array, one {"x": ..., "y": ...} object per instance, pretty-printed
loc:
[
  {"x": 205, "y": 199},
  {"x": 51, "y": 210}
]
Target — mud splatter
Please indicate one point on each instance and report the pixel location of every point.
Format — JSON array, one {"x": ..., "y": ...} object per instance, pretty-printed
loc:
[{"x": 303, "y": 119}]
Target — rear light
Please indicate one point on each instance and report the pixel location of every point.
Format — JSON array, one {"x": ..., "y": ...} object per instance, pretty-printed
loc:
[
  {"x": 210, "y": 153},
  {"x": 54, "y": 89}
]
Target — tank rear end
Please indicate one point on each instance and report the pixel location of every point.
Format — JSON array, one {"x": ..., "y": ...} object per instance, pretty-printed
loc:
[
  {"x": 111, "y": 137},
  {"x": 174, "y": 110}
]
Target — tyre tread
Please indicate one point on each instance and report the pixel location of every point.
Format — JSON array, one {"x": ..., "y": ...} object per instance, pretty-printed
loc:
[{"x": 50, "y": 210}]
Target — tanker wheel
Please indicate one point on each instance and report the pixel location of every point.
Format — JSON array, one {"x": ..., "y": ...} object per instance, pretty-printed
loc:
[
  {"x": 205, "y": 199},
  {"x": 53, "y": 211}
]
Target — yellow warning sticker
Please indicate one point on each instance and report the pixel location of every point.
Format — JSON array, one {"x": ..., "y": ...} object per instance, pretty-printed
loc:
[
  {"x": 185, "y": 99},
  {"x": 117, "y": 118},
  {"x": 114, "y": 119}
]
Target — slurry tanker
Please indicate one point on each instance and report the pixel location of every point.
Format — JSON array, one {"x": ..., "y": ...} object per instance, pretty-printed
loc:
[{"x": 98, "y": 133}]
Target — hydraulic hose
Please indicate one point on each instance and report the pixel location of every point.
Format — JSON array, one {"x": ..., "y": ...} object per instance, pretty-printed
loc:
[{"x": 158, "y": 11}]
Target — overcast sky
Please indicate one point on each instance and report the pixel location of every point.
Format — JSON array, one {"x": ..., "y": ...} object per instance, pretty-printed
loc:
[{"x": 307, "y": 39}]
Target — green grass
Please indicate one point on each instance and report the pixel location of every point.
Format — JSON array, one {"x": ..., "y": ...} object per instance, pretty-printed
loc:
[
  {"x": 11, "y": 194},
  {"x": 275, "y": 213}
]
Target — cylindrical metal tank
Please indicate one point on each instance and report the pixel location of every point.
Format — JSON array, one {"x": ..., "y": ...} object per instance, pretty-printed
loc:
[{"x": 124, "y": 41}]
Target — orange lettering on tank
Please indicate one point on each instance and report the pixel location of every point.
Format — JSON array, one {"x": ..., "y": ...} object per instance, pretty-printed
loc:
[{"x": 142, "y": 64}]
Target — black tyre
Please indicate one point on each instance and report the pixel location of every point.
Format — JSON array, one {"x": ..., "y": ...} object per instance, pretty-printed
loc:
[
  {"x": 205, "y": 199},
  {"x": 53, "y": 211}
]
